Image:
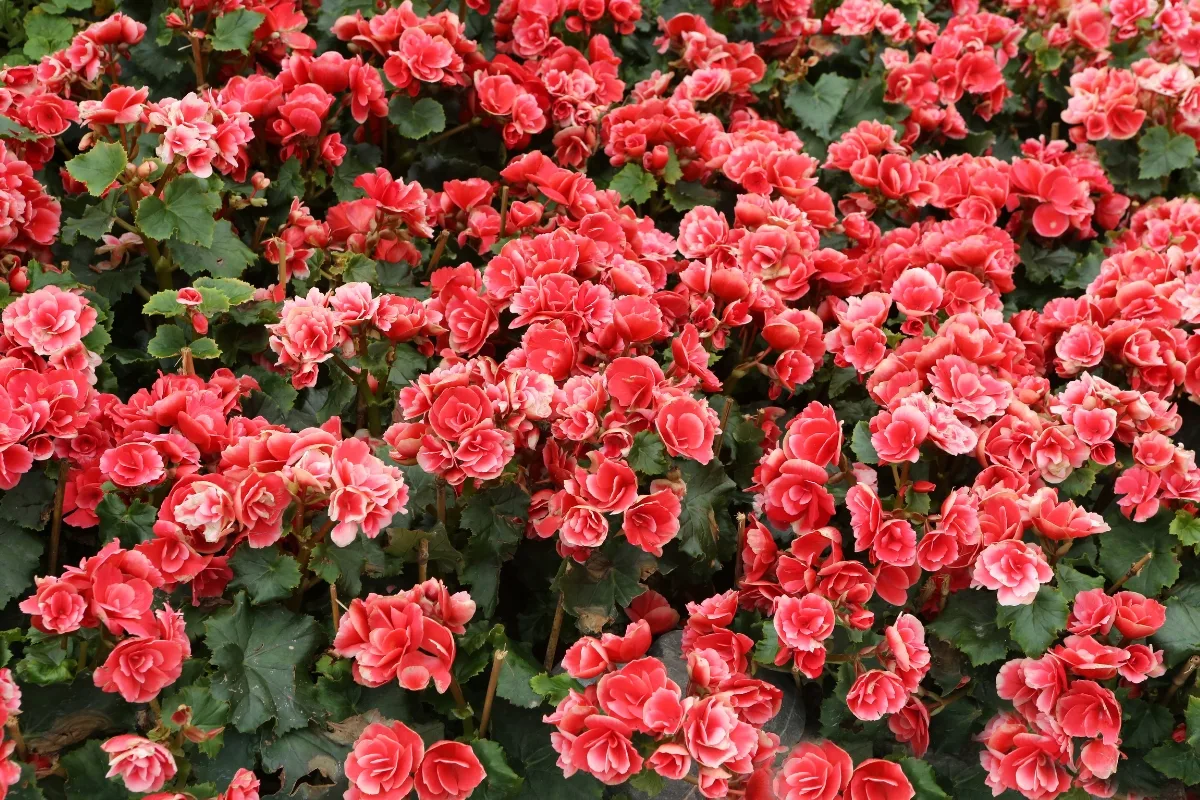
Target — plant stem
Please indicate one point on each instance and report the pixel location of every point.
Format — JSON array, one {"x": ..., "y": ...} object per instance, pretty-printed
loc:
[
  {"x": 503, "y": 210},
  {"x": 1132, "y": 573},
  {"x": 423, "y": 561},
  {"x": 1182, "y": 676},
  {"x": 438, "y": 249},
  {"x": 555, "y": 631},
  {"x": 493, "y": 680},
  {"x": 457, "y": 129},
  {"x": 468, "y": 718},
  {"x": 441, "y": 501},
  {"x": 56, "y": 521},
  {"x": 197, "y": 62},
  {"x": 741, "y": 542},
  {"x": 13, "y": 726},
  {"x": 335, "y": 607}
]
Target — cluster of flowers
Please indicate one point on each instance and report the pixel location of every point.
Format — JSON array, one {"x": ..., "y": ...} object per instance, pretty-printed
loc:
[
  {"x": 10, "y": 709},
  {"x": 48, "y": 406},
  {"x": 824, "y": 770},
  {"x": 317, "y": 327},
  {"x": 716, "y": 724},
  {"x": 145, "y": 766},
  {"x": 1052, "y": 188},
  {"x": 526, "y": 28},
  {"x": 280, "y": 32},
  {"x": 406, "y": 637},
  {"x": 389, "y": 761},
  {"x": 115, "y": 589},
  {"x": 1066, "y": 727},
  {"x": 39, "y": 97}
]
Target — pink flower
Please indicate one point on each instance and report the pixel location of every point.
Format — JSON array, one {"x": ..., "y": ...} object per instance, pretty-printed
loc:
[
  {"x": 802, "y": 624},
  {"x": 49, "y": 320},
  {"x": 1138, "y": 616},
  {"x": 1092, "y": 612},
  {"x": 687, "y": 427},
  {"x": 449, "y": 771},
  {"x": 713, "y": 733},
  {"x": 641, "y": 695},
  {"x": 1014, "y": 570},
  {"x": 1089, "y": 710},
  {"x": 382, "y": 763},
  {"x": 876, "y": 779},
  {"x": 60, "y": 605},
  {"x": 814, "y": 771},
  {"x": 652, "y": 521},
  {"x": 898, "y": 436},
  {"x": 144, "y": 766},
  {"x": 605, "y": 750},
  {"x": 875, "y": 694},
  {"x": 132, "y": 464},
  {"x": 244, "y": 786}
]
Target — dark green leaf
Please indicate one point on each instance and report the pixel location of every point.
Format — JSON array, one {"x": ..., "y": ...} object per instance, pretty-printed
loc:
[
  {"x": 860, "y": 444},
  {"x": 99, "y": 167},
  {"x": 1035, "y": 626},
  {"x": 259, "y": 654},
  {"x": 1176, "y": 760},
  {"x": 920, "y": 774},
  {"x": 22, "y": 553},
  {"x": 235, "y": 30},
  {"x": 310, "y": 755},
  {"x": 28, "y": 503},
  {"x": 185, "y": 212},
  {"x": 1071, "y": 581},
  {"x": 86, "y": 768},
  {"x": 416, "y": 120},
  {"x": 501, "y": 780},
  {"x": 226, "y": 257},
  {"x": 1163, "y": 153},
  {"x": 1180, "y": 634},
  {"x": 167, "y": 342},
  {"x": 265, "y": 574},
  {"x": 648, "y": 455},
  {"x": 686, "y": 195},
  {"x": 516, "y": 672},
  {"x": 1145, "y": 724},
  {"x": 969, "y": 623},
  {"x": 817, "y": 106},
  {"x": 1128, "y": 542},
  {"x": 633, "y": 183},
  {"x": 708, "y": 490},
  {"x": 130, "y": 525}
]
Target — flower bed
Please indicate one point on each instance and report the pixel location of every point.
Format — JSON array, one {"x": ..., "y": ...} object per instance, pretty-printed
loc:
[{"x": 585, "y": 398}]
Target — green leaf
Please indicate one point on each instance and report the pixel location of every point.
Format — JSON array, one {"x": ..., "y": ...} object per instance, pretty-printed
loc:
[
  {"x": 416, "y": 120},
  {"x": 1163, "y": 153},
  {"x": 1071, "y": 581},
  {"x": 501, "y": 780},
  {"x": 28, "y": 503},
  {"x": 610, "y": 581},
  {"x": 226, "y": 257},
  {"x": 554, "y": 687},
  {"x": 768, "y": 646},
  {"x": 686, "y": 195},
  {"x": 1180, "y": 634},
  {"x": 95, "y": 221},
  {"x": 235, "y": 30},
  {"x": 969, "y": 623},
  {"x": 13, "y": 130},
  {"x": 204, "y": 347},
  {"x": 633, "y": 183},
  {"x": 164, "y": 303},
  {"x": 185, "y": 211},
  {"x": 516, "y": 673},
  {"x": 258, "y": 654},
  {"x": 235, "y": 291},
  {"x": 672, "y": 172},
  {"x": 345, "y": 565},
  {"x": 1128, "y": 542},
  {"x": 300, "y": 754},
  {"x": 1145, "y": 724},
  {"x": 860, "y": 443},
  {"x": 920, "y": 774},
  {"x": 26, "y": 787},
  {"x": 289, "y": 183},
  {"x": 1035, "y": 626},
  {"x": 708, "y": 490},
  {"x": 817, "y": 106},
  {"x": 1176, "y": 760},
  {"x": 45, "y": 661},
  {"x": 648, "y": 782},
  {"x": 265, "y": 574},
  {"x": 99, "y": 167},
  {"x": 407, "y": 365},
  {"x": 22, "y": 553},
  {"x": 86, "y": 768},
  {"x": 1080, "y": 481},
  {"x": 496, "y": 520},
  {"x": 1191, "y": 717},
  {"x": 167, "y": 342},
  {"x": 1186, "y": 528},
  {"x": 523, "y": 736},
  {"x": 648, "y": 455},
  {"x": 130, "y": 525}
]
